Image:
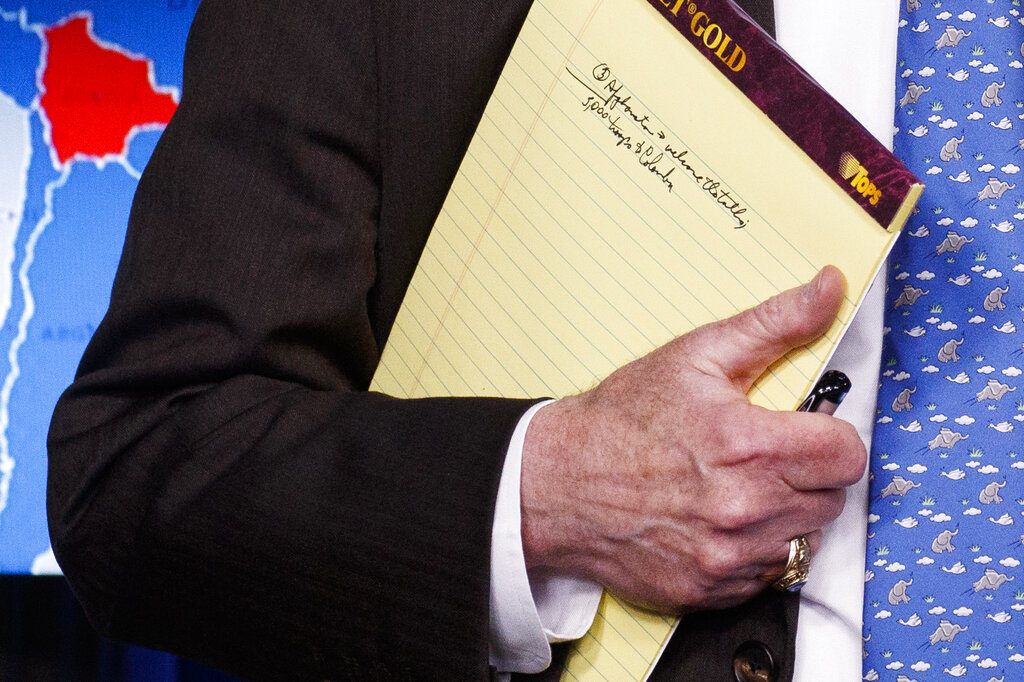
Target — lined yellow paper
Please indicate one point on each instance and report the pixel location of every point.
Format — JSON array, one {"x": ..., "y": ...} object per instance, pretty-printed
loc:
[{"x": 565, "y": 249}]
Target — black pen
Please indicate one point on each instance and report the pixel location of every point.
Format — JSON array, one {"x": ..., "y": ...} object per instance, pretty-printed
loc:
[{"x": 827, "y": 394}]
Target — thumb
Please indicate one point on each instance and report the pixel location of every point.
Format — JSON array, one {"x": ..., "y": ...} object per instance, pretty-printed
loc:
[{"x": 743, "y": 346}]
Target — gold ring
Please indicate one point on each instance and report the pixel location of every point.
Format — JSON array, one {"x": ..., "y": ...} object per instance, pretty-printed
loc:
[{"x": 798, "y": 567}]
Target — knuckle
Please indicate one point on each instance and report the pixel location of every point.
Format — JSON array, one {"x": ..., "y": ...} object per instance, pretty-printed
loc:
[
  {"x": 851, "y": 460},
  {"x": 744, "y": 444},
  {"x": 764, "y": 318},
  {"x": 717, "y": 435},
  {"x": 779, "y": 317},
  {"x": 833, "y": 502},
  {"x": 840, "y": 501},
  {"x": 738, "y": 514},
  {"x": 722, "y": 560}
]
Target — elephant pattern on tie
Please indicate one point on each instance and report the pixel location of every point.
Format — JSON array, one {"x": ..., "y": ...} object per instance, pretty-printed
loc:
[{"x": 944, "y": 582}]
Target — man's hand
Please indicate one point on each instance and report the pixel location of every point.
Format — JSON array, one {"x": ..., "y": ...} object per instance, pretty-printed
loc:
[{"x": 667, "y": 486}]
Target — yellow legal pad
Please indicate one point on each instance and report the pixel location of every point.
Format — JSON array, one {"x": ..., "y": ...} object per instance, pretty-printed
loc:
[{"x": 619, "y": 191}]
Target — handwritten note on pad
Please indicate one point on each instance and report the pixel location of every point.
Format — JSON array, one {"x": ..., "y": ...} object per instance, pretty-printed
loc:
[{"x": 639, "y": 171}]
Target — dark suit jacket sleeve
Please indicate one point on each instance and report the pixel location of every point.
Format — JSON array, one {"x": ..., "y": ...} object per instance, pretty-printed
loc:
[{"x": 221, "y": 483}]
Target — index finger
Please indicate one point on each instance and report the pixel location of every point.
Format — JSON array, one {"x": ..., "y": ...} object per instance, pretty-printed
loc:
[{"x": 814, "y": 451}]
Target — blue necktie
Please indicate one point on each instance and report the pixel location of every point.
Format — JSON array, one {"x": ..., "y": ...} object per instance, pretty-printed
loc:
[{"x": 944, "y": 590}]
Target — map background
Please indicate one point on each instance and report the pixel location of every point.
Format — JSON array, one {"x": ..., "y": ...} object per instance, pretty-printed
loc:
[
  {"x": 43, "y": 633},
  {"x": 69, "y": 269}
]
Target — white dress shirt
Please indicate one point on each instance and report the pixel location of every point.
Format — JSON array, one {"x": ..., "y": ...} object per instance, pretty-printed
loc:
[{"x": 850, "y": 49}]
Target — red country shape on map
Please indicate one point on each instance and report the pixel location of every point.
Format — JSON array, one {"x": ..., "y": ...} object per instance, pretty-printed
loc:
[{"x": 95, "y": 95}]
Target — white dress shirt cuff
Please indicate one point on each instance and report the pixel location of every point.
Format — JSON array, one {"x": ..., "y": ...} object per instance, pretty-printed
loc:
[{"x": 529, "y": 610}]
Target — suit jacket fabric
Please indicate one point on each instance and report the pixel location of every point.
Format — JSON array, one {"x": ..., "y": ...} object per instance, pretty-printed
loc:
[{"x": 221, "y": 483}]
